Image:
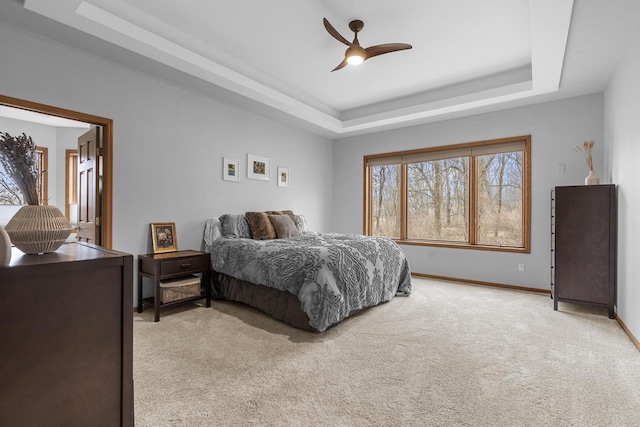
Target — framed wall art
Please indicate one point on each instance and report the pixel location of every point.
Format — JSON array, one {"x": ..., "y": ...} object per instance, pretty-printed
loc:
[
  {"x": 163, "y": 236},
  {"x": 258, "y": 167},
  {"x": 231, "y": 170},
  {"x": 284, "y": 177}
]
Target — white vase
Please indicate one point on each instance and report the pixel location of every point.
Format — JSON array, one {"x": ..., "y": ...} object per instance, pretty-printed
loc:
[
  {"x": 38, "y": 229},
  {"x": 591, "y": 179},
  {"x": 5, "y": 248}
]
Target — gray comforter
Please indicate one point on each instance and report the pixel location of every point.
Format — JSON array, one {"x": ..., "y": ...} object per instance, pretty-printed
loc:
[{"x": 333, "y": 275}]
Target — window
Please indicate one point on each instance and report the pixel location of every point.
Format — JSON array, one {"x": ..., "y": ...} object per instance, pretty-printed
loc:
[
  {"x": 10, "y": 193},
  {"x": 71, "y": 186},
  {"x": 473, "y": 195},
  {"x": 385, "y": 198}
]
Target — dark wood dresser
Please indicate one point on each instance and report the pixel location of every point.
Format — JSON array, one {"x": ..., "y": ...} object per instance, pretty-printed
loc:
[
  {"x": 583, "y": 225},
  {"x": 66, "y": 338}
]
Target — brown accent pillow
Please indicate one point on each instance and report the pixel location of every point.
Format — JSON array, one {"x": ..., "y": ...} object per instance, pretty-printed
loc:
[
  {"x": 290, "y": 214},
  {"x": 260, "y": 226},
  {"x": 284, "y": 226}
]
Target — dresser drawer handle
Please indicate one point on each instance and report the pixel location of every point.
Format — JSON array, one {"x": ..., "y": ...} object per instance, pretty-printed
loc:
[{"x": 185, "y": 265}]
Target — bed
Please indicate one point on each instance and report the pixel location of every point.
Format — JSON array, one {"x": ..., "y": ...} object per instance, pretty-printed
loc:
[{"x": 309, "y": 280}]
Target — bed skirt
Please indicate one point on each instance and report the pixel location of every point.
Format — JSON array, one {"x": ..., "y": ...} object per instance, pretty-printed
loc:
[{"x": 280, "y": 305}]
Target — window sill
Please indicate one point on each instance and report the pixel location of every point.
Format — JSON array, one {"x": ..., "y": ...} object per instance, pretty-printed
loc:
[{"x": 451, "y": 245}]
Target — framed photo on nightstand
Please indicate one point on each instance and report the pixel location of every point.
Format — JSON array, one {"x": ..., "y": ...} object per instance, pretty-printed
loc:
[{"x": 163, "y": 236}]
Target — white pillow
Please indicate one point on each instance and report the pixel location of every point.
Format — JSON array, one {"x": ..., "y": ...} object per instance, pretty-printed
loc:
[{"x": 212, "y": 232}]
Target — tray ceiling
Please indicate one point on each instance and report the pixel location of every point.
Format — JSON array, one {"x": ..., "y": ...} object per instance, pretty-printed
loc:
[{"x": 467, "y": 55}]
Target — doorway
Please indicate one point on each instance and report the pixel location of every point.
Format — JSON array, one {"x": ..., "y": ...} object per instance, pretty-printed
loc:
[{"x": 106, "y": 213}]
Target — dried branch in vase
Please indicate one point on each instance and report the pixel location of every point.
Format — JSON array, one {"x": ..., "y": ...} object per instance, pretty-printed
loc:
[
  {"x": 19, "y": 159},
  {"x": 586, "y": 149}
]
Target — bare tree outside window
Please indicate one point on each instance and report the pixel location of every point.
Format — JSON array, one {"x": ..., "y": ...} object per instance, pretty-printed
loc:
[
  {"x": 499, "y": 203},
  {"x": 385, "y": 196},
  {"x": 437, "y": 200},
  {"x": 10, "y": 193}
]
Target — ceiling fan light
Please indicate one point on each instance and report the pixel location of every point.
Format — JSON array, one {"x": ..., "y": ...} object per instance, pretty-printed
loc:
[
  {"x": 355, "y": 59},
  {"x": 355, "y": 54}
]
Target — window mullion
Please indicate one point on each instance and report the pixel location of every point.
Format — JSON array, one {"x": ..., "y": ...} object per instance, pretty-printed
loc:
[
  {"x": 403, "y": 201},
  {"x": 473, "y": 197},
  {"x": 366, "y": 209}
]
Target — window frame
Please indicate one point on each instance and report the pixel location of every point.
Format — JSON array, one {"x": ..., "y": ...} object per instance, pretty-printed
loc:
[
  {"x": 43, "y": 181},
  {"x": 473, "y": 194}
]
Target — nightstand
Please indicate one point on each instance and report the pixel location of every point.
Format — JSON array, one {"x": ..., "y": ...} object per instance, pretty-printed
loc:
[{"x": 173, "y": 265}]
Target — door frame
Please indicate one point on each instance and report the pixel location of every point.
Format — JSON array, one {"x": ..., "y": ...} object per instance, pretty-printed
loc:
[{"x": 107, "y": 153}]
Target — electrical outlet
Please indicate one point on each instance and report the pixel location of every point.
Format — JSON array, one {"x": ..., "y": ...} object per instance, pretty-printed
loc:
[
  {"x": 560, "y": 168},
  {"x": 520, "y": 267}
]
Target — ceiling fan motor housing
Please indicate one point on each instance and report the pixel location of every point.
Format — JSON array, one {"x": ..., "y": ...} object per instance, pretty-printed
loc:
[{"x": 356, "y": 25}]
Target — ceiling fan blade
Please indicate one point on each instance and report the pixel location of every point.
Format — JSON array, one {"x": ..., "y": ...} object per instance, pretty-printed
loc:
[
  {"x": 341, "y": 65},
  {"x": 336, "y": 35},
  {"x": 385, "y": 48}
]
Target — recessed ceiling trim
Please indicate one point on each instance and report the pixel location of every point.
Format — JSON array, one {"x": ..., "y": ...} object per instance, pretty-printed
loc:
[
  {"x": 422, "y": 99},
  {"x": 91, "y": 19},
  {"x": 549, "y": 38},
  {"x": 550, "y": 21},
  {"x": 176, "y": 56},
  {"x": 442, "y": 107}
]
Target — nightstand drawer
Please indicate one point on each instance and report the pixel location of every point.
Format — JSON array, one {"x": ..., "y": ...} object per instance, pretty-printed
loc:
[{"x": 183, "y": 265}]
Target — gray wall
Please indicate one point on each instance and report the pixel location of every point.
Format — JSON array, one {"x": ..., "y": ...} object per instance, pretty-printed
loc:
[
  {"x": 169, "y": 143},
  {"x": 622, "y": 163},
  {"x": 555, "y": 129}
]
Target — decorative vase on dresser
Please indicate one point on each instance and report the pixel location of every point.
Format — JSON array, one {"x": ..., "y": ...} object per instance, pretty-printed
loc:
[
  {"x": 591, "y": 179},
  {"x": 37, "y": 229},
  {"x": 584, "y": 230}
]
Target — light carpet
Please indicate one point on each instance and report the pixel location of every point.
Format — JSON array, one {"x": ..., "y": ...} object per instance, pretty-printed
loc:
[{"x": 450, "y": 354}]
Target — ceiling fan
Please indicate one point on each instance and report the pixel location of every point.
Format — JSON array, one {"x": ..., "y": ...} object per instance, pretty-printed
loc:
[{"x": 356, "y": 54}]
